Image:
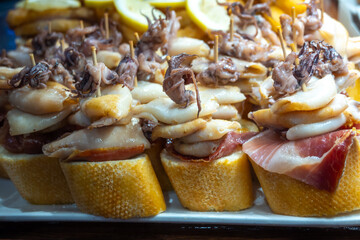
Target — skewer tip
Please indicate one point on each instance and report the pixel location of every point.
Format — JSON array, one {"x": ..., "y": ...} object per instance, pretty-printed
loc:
[
  {"x": 32, "y": 58},
  {"x": 216, "y": 48}
]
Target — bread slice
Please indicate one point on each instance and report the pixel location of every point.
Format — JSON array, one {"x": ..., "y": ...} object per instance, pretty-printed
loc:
[
  {"x": 289, "y": 196},
  {"x": 154, "y": 155},
  {"x": 38, "y": 178},
  {"x": 221, "y": 185},
  {"x": 115, "y": 189}
]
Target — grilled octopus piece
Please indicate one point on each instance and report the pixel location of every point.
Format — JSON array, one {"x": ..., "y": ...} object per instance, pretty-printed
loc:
[
  {"x": 223, "y": 72},
  {"x": 92, "y": 78},
  {"x": 316, "y": 58},
  {"x": 244, "y": 15},
  {"x": 127, "y": 70},
  {"x": 177, "y": 76},
  {"x": 304, "y": 26},
  {"x": 74, "y": 60},
  {"x": 35, "y": 77},
  {"x": 44, "y": 41}
]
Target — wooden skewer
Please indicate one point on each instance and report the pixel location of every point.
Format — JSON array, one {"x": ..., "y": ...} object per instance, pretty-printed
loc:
[
  {"x": 49, "y": 27},
  {"x": 303, "y": 87},
  {"x": 82, "y": 27},
  {"x": 216, "y": 48},
  {"x": 132, "y": 52},
  {"x": 231, "y": 27},
  {"x": 282, "y": 41},
  {"x": 62, "y": 43},
  {"x": 168, "y": 58},
  {"x": 107, "y": 34},
  {"x": 251, "y": 3},
  {"x": 322, "y": 10},
  {"x": 32, "y": 58},
  {"x": 293, "y": 16},
  {"x": 137, "y": 36},
  {"x": 93, "y": 50}
]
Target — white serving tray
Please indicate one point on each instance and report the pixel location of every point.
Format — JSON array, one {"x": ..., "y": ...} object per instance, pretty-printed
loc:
[{"x": 14, "y": 208}]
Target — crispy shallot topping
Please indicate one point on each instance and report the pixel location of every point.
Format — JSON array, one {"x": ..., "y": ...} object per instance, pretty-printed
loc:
[
  {"x": 35, "y": 77},
  {"x": 177, "y": 76}
]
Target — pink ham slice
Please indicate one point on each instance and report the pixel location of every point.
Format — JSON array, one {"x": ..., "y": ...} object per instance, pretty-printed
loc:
[{"x": 317, "y": 161}]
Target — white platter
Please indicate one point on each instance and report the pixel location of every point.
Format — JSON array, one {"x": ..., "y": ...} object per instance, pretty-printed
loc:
[{"x": 14, "y": 208}]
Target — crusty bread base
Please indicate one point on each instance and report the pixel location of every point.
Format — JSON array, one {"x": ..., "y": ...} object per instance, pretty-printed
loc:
[
  {"x": 38, "y": 178},
  {"x": 289, "y": 196},
  {"x": 115, "y": 189},
  {"x": 154, "y": 155},
  {"x": 221, "y": 185}
]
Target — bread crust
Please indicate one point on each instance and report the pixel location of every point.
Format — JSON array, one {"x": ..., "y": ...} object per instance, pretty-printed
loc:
[
  {"x": 289, "y": 196},
  {"x": 115, "y": 189},
  {"x": 38, "y": 178},
  {"x": 224, "y": 184}
]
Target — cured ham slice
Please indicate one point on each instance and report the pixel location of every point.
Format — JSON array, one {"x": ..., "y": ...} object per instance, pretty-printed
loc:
[
  {"x": 226, "y": 146},
  {"x": 317, "y": 161}
]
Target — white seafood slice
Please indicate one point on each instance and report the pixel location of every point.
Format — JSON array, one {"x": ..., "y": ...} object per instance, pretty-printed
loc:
[
  {"x": 225, "y": 112},
  {"x": 166, "y": 111},
  {"x": 24, "y": 123},
  {"x": 7, "y": 73},
  {"x": 349, "y": 80},
  {"x": 178, "y": 130},
  {"x": 246, "y": 69},
  {"x": 40, "y": 101},
  {"x": 106, "y": 137},
  {"x": 79, "y": 119},
  {"x": 319, "y": 93},
  {"x": 189, "y": 46},
  {"x": 213, "y": 130},
  {"x": 313, "y": 129},
  {"x": 267, "y": 118},
  {"x": 199, "y": 149},
  {"x": 222, "y": 94},
  {"x": 114, "y": 103},
  {"x": 147, "y": 91},
  {"x": 111, "y": 59}
]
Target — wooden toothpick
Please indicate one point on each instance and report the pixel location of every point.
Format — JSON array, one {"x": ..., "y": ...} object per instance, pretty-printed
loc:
[
  {"x": 132, "y": 53},
  {"x": 107, "y": 34},
  {"x": 82, "y": 27},
  {"x": 293, "y": 16},
  {"x": 216, "y": 48},
  {"x": 137, "y": 36},
  {"x": 32, "y": 58},
  {"x": 93, "y": 50},
  {"x": 282, "y": 41},
  {"x": 303, "y": 87},
  {"x": 251, "y": 2},
  {"x": 231, "y": 27},
  {"x": 322, "y": 10},
  {"x": 62, "y": 43}
]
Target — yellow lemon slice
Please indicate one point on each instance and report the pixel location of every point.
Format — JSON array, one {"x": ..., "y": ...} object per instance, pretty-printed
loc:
[
  {"x": 208, "y": 15},
  {"x": 167, "y": 3},
  {"x": 42, "y": 5},
  {"x": 98, "y": 3},
  {"x": 131, "y": 12}
]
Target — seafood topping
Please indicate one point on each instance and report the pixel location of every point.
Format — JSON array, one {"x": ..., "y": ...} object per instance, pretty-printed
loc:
[
  {"x": 177, "y": 76},
  {"x": 223, "y": 71},
  {"x": 74, "y": 60},
  {"x": 127, "y": 70},
  {"x": 35, "y": 77},
  {"x": 44, "y": 41},
  {"x": 92, "y": 78},
  {"x": 244, "y": 16},
  {"x": 316, "y": 58}
]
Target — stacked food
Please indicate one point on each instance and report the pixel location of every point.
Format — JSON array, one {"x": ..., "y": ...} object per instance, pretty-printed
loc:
[{"x": 106, "y": 107}]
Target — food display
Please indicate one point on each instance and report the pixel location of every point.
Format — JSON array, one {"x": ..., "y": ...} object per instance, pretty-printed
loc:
[{"x": 111, "y": 104}]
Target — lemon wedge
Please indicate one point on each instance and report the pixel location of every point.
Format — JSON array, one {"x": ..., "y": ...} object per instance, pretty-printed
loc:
[
  {"x": 131, "y": 13},
  {"x": 167, "y": 3},
  {"x": 42, "y": 5},
  {"x": 208, "y": 15},
  {"x": 98, "y": 3}
]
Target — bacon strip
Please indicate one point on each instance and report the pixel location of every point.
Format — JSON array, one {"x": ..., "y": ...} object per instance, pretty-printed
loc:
[
  {"x": 106, "y": 154},
  {"x": 318, "y": 161},
  {"x": 228, "y": 144}
]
